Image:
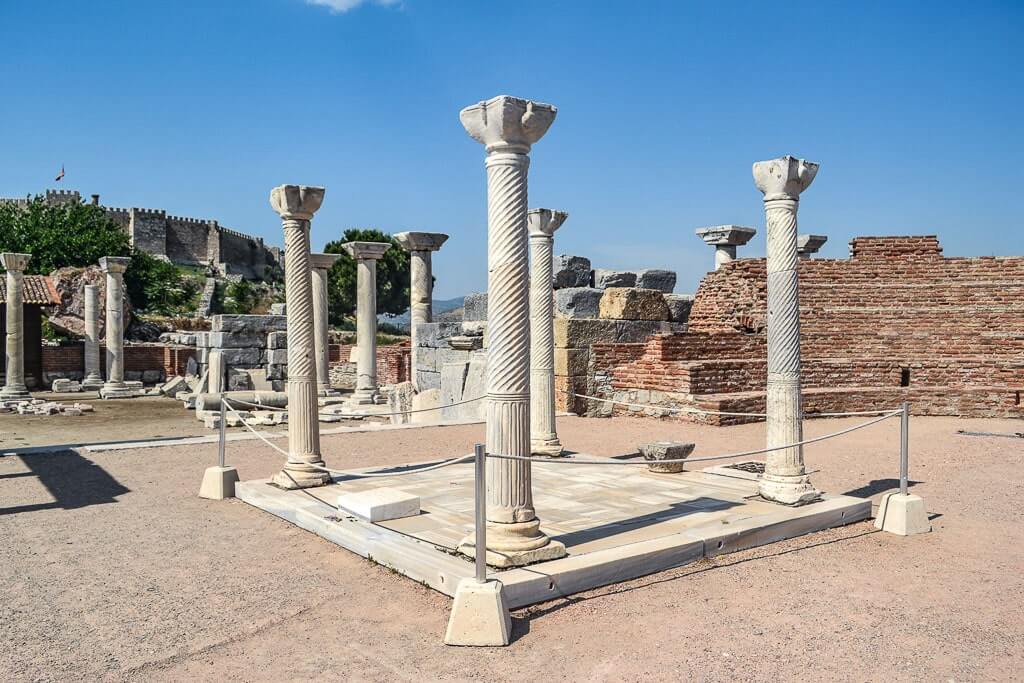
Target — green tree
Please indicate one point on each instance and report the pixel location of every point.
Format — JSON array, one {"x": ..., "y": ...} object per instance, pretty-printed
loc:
[
  {"x": 392, "y": 276},
  {"x": 156, "y": 286}
]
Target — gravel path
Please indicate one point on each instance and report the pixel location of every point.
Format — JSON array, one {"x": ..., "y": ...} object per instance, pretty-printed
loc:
[{"x": 113, "y": 569}]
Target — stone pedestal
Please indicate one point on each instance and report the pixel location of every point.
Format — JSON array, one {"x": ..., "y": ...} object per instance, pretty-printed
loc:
[
  {"x": 541, "y": 224},
  {"x": 421, "y": 246},
  {"x": 785, "y": 479},
  {"x": 903, "y": 515},
  {"x": 93, "y": 374},
  {"x": 725, "y": 239},
  {"x": 218, "y": 483},
  {"x": 115, "y": 386},
  {"x": 508, "y": 126},
  {"x": 808, "y": 245},
  {"x": 480, "y": 615},
  {"x": 296, "y": 204},
  {"x": 366, "y": 255},
  {"x": 14, "y": 380},
  {"x": 321, "y": 264}
]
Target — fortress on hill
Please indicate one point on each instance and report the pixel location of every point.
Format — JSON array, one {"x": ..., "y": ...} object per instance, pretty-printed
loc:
[{"x": 185, "y": 241}]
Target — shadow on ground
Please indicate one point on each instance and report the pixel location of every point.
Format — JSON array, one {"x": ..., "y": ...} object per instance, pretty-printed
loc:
[{"x": 72, "y": 480}]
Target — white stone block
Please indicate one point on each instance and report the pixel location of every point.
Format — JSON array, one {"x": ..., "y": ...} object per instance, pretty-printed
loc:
[
  {"x": 378, "y": 505},
  {"x": 902, "y": 515},
  {"x": 480, "y": 615}
]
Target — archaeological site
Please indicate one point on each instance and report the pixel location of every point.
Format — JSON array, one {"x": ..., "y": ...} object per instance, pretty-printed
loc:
[{"x": 472, "y": 397}]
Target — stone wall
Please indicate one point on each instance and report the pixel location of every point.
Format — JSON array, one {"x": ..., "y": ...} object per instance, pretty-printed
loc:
[
  {"x": 393, "y": 365},
  {"x": 896, "y": 321}
]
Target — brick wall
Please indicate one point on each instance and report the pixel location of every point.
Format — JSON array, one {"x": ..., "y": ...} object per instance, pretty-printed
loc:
[
  {"x": 152, "y": 362},
  {"x": 895, "y": 319},
  {"x": 394, "y": 364}
]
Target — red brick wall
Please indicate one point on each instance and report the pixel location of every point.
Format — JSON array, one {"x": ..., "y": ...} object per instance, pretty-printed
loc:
[
  {"x": 70, "y": 358},
  {"x": 394, "y": 361}
]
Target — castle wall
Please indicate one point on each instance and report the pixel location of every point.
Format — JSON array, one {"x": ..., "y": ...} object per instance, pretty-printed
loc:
[
  {"x": 187, "y": 240},
  {"x": 147, "y": 229}
]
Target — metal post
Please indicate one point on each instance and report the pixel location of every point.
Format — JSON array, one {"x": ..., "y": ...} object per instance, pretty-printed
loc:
[
  {"x": 223, "y": 431},
  {"x": 480, "y": 510},
  {"x": 904, "y": 447}
]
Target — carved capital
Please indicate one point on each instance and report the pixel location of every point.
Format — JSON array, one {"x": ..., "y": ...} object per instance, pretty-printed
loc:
[
  {"x": 15, "y": 262},
  {"x": 323, "y": 261},
  {"x": 726, "y": 235},
  {"x": 544, "y": 221},
  {"x": 505, "y": 123},
  {"x": 784, "y": 178},
  {"x": 114, "y": 264},
  {"x": 809, "y": 244},
  {"x": 421, "y": 241},
  {"x": 366, "y": 251},
  {"x": 296, "y": 201}
]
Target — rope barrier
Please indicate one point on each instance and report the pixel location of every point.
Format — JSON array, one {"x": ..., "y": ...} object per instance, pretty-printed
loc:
[{"x": 402, "y": 412}]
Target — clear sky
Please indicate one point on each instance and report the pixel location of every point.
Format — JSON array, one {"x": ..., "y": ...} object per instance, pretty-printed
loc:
[{"x": 914, "y": 111}]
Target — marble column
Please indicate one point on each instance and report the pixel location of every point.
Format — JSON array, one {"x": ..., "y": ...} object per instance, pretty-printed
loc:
[
  {"x": 725, "y": 239},
  {"x": 542, "y": 224},
  {"x": 296, "y": 204},
  {"x": 115, "y": 387},
  {"x": 508, "y": 126},
  {"x": 14, "y": 381},
  {"x": 421, "y": 246},
  {"x": 93, "y": 378},
  {"x": 321, "y": 265},
  {"x": 781, "y": 181},
  {"x": 366, "y": 255},
  {"x": 807, "y": 245}
]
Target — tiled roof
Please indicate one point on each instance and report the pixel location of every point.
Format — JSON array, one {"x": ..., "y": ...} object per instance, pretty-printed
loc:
[{"x": 39, "y": 290}]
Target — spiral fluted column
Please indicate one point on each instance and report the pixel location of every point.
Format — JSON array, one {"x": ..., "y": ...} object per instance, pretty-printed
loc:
[
  {"x": 421, "y": 246},
  {"x": 93, "y": 378},
  {"x": 321, "y": 265},
  {"x": 115, "y": 386},
  {"x": 508, "y": 126},
  {"x": 781, "y": 181},
  {"x": 14, "y": 380},
  {"x": 542, "y": 224},
  {"x": 366, "y": 255},
  {"x": 296, "y": 204}
]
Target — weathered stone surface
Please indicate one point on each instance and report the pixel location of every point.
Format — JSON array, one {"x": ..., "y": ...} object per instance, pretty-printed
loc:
[
  {"x": 277, "y": 340},
  {"x": 250, "y": 324},
  {"x": 453, "y": 380},
  {"x": 435, "y": 335},
  {"x": 69, "y": 283},
  {"x": 570, "y": 271},
  {"x": 174, "y": 386},
  {"x": 244, "y": 358},
  {"x": 622, "y": 303},
  {"x": 277, "y": 356},
  {"x": 577, "y": 302},
  {"x": 238, "y": 380},
  {"x": 65, "y": 386},
  {"x": 427, "y": 380},
  {"x": 666, "y": 450},
  {"x": 679, "y": 306},
  {"x": 380, "y": 504},
  {"x": 431, "y": 398},
  {"x": 640, "y": 330},
  {"x": 613, "y": 278},
  {"x": 151, "y": 376},
  {"x": 475, "y": 387},
  {"x": 474, "y": 307},
  {"x": 237, "y": 340},
  {"x": 572, "y": 333},
  {"x": 571, "y": 361},
  {"x": 466, "y": 343},
  {"x": 399, "y": 400},
  {"x": 279, "y": 309},
  {"x": 655, "y": 278}
]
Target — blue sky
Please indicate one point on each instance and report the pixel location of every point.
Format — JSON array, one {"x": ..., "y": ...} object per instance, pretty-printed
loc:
[{"x": 914, "y": 111}]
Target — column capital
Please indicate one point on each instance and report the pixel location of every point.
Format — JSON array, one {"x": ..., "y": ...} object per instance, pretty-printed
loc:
[
  {"x": 15, "y": 262},
  {"x": 114, "y": 264},
  {"x": 421, "y": 241},
  {"x": 296, "y": 201},
  {"x": 726, "y": 235},
  {"x": 323, "y": 261},
  {"x": 544, "y": 222},
  {"x": 508, "y": 124},
  {"x": 366, "y": 251},
  {"x": 784, "y": 178},
  {"x": 809, "y": 244}
]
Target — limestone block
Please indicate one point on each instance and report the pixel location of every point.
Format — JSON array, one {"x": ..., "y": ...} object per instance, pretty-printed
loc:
[
  {"x": 399, "y": 400},
  {"x": 679, "y": 306},
  {"x": 641, "y": 330},
  {"x": 570, "y": 271},
  {"x": 65, "y": 386},
  {"x": 577, "y": 302},
  {"x": 203, "y": 340},
  {"x": 622, "y": 303},
  {"x": 431, "y": 398},
  {"x": 259, "y": 380},
  {"x": 174, "y": 386},
  {"x": 202, "y": 357},
  {"x": 380, "y": 504},
  {"x": 426, "y": 359},
  {"x": 277, "y": 372},
  {"x": 435, "y": 335},
  {"x": 474, "y": 307},
  {"x": 277, "y": 356},
  {"x": 902, "y": 515},
  {"x": 218, "y": 483},
  {"x": 613, "y": 278},
  {"x": 571, "y": 361},
  {"x": 238, "y": 380},
  {"x": 480, "y": 615},
  {"x": 453, "y": 380},
  {"x": 250, "y": 324},
  {"x": 428, "y": 380},
  {"x": 666, "y": 450},
  {"x": 476, "y": 386},
  {"x": 277, "y": 340},
  {"x": 654, "y": 278},
  {"x": 445, "y": 356},
  {"x": 249, "y": 357},
  {"x": 279, "y": 309},
  {"x": 237, "y": 340},
  {"x": 571, "y": 333},
  {"x": 466, "y": 342}
]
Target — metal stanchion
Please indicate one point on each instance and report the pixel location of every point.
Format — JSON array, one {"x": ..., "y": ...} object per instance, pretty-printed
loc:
[
  {"x": 480, "y": 512},
  {"x": 223, "y": 432},
  {"x": 904, "y": 447}
]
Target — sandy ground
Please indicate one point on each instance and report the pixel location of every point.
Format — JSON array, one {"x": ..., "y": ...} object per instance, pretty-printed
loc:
[{"x": 113, "y": 569}]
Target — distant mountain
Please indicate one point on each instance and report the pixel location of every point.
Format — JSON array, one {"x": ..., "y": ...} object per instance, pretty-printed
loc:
[{"x": 441, "y": 306}]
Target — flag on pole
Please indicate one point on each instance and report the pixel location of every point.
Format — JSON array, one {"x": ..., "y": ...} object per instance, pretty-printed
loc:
[{"x": 61, "y": 174}]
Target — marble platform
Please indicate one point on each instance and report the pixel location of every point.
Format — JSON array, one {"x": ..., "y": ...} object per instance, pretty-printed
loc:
[{"x": 618, "y": 522}]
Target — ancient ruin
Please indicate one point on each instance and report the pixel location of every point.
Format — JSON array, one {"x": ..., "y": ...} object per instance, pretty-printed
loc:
[{"x": 14, "y": 380}]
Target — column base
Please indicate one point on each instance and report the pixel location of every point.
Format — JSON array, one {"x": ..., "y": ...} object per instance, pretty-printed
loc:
[
  {"x": 904, "y": 515},
  {"x": 480, "y": 616},
  {"x": 788, "y": 490},
  {"x": 551, "y": 448},
  {"x": 301, "y": 478},
  {"x": 366, "y": 398},
  {"x": 515, "y": 545},
  {"x": 95, "y": 383},
  {"x": 14, "y": 393}
]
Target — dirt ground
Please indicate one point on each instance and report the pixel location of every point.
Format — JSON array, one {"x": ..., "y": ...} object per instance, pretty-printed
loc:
[{"x": 113, "y": 569}]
